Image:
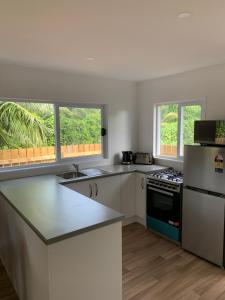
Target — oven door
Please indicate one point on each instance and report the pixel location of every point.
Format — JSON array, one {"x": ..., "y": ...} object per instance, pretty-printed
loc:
[{"x": 164, "y": 205}]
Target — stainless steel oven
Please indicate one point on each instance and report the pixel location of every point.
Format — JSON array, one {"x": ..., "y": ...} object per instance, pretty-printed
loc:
[{"x": 164, "y": 208}]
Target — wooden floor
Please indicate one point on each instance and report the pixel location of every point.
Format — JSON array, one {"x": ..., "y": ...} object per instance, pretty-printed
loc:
[{"x": 157, "y": 269}]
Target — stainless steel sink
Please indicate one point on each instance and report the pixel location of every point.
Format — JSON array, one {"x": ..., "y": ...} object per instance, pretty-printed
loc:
[
  {"x": 71, "y": 175},
  {"x": 94, "y": 172}
]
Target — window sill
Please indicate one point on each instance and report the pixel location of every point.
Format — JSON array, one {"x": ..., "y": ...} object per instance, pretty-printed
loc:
[
  {"x": 172, "y": 159},
  {"x": 44, "y": 169}
]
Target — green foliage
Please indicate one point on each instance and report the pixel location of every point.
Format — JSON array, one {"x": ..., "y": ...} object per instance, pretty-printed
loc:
[
  {"x": 169, "y": 123},
  {"x": 169, "y": 117},
  {"x": 24, "y": 125},
  {"x": 169, "y": 133},
  {"x": 80, "y": 126},
  {"x": 20, "y": 127},
  {"x": 220, "y": 129},
  {"x": 191, "y": 114}
]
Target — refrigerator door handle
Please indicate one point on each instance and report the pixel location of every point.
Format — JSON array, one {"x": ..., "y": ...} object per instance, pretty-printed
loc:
[{"x": 204, "y": 191}]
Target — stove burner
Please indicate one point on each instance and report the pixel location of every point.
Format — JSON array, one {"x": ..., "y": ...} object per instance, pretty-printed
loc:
[{"x": 168, "y": 175}]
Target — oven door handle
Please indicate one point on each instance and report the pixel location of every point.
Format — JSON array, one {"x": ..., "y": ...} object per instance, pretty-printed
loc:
[{"x": 160, "y": 191}]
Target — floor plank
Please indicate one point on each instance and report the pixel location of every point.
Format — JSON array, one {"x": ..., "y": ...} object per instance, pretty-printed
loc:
[{"x": 156, "y": 269}]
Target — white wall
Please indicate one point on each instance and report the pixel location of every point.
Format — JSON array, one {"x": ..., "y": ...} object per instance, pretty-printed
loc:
[
  {"x": 206, "y": 82},
  {"x": 130, "y": 105},
  {"x": 119, "y": 96}
]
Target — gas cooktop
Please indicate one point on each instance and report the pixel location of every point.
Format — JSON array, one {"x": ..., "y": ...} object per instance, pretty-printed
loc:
[{"x": 170, "y": 175}]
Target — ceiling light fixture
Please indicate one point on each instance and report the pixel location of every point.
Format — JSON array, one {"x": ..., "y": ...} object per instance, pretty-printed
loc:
[
  {"x": 184, "y": 15},
  {"x": 90, "y": 59}
]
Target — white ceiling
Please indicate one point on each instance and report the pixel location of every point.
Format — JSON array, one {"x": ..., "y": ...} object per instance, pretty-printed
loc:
[{"x": 130, "y": 39}]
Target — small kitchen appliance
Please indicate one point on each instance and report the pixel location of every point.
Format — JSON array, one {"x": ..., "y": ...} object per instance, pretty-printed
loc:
[
  {"x": 209, "y": 132},
  {"x": 143, "y": 158},
  {"x": 164, "y": 197},
  {"x": 127, "y": 157}
]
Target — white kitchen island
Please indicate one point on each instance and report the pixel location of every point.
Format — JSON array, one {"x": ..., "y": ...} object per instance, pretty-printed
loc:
[{"x": 57, "y": 244}]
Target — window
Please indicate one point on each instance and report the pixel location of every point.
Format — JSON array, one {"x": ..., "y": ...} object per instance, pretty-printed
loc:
[
  {"x": 168, "y": 129},
  {"x": 175, "y": 127},
  {"x": 42, "y": 133},
  {"x": 80, "y": 131}
]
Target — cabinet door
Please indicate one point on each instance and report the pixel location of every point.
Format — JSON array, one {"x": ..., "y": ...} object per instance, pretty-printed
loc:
[
  {"x": 141, "y": 196},
  {"x": 83, "y": 187},
  {"x": 107, "y": 191},
  {"x": 127, "y": 194}
]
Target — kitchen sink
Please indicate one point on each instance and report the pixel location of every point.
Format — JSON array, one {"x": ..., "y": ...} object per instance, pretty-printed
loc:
[
  {"x": 71, "y": 175},
  {"x": 94, "y": 172}
]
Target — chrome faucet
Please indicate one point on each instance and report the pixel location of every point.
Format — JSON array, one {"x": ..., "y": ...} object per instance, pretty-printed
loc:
[{"x": 76, "y": 166}]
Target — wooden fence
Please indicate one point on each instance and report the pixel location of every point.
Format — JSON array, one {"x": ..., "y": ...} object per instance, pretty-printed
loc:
[
  {"x": 19, "y": 157},
  {"x": 168, "y": 150}
]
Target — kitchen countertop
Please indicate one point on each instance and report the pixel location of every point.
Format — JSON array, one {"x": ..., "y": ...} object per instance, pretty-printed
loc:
[
  {"x": 56, "y": 212},
  {"x": 132, "y": 168},
  {"x": 116, "y": 170}
]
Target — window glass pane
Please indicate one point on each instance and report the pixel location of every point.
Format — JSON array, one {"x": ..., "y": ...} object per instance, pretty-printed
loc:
[
  {"x": 168, "y": 126},
  {"x": 80, "y": 131},
  {"x": 190, "y": 113},
  {"x": 26, "y": 133}
]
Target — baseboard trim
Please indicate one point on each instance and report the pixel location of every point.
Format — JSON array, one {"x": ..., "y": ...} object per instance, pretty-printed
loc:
[
  {"x": 134, "y": 219},
  {"x": 129, "y": 220}
]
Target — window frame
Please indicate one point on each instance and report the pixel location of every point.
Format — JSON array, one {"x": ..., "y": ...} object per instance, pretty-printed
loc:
[
  {"x": 156, "y": 128},
  {"x": 58, "y": 159}
]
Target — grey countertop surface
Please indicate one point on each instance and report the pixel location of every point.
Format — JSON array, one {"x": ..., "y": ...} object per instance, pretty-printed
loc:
[
  {"x": 117, "y": 170},
  {"x": 56, "y": 212},
  {"x": 132, "y": 168}
]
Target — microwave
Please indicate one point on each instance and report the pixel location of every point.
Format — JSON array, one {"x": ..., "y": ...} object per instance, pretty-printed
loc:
[{"x": 209, "y": 132}]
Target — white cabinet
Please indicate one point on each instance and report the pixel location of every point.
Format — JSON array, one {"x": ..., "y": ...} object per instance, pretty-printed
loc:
[
  {"x": 127, "y": 194},
  {"x": 83, "y": 187},
  {"x": 105, "y": 190},
  {"x": 141, "y": 197}
]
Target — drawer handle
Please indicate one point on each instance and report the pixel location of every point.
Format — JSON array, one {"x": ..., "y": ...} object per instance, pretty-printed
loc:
[
  {"x": 90, "y": 186},
  {"x": 96, "y": 190},
  {"x": 142, "y": 183}
]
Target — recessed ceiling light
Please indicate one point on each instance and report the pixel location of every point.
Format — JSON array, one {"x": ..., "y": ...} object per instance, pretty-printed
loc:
[
  {"x": 90, "y": 58},
  {"x": 184, "y": 15}
]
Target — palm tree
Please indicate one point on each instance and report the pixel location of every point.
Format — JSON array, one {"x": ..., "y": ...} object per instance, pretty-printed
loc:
[
  {"x": 20, "y": 127},
  {"x": 170, "y": 117}
]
